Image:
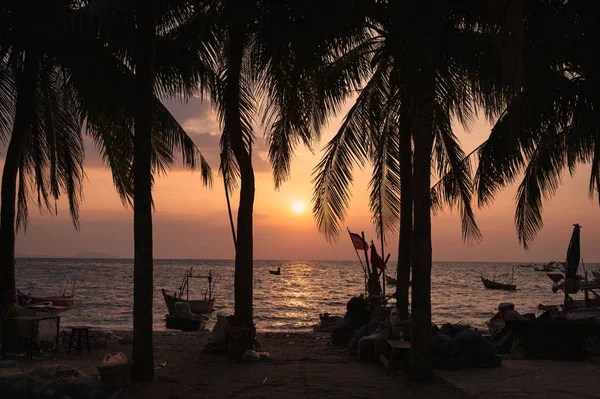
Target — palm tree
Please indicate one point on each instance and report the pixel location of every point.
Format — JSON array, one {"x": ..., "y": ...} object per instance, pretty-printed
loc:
[
  {"x": 78, "y": 80},
  {"x": 551, "y": 126},
  {"x": 269, "y": 65},
  {"x": 143, "y": 360},
  {"x": 421, "y": 83}
]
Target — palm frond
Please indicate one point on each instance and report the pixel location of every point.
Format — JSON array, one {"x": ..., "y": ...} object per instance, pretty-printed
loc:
[
  {"x": 384, "y": 198},
  {"x": 7, "y": 100},
  {"x": 351, "y": 145},
  {"x": 456, "y": 186},
  {"x": 53, "y": 157},
  {"x": 541, "y": 180}
]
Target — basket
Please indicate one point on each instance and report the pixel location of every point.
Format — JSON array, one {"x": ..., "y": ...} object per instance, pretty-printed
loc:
[{"x": 116, "y": 376}]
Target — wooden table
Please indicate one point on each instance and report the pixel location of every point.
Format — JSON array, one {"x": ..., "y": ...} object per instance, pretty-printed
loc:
[
  {"x": 17, "y": 335},
  {"x": 396, "y": 347}
]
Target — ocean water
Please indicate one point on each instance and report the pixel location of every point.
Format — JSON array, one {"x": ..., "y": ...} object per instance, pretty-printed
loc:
[{"x": 289, "y": 302}]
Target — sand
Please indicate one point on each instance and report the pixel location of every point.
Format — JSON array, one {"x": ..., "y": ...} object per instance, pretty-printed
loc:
[
  {"x": 529, "y": 379},
  {"x": 302, "y": 365},
  {"x": 306, "y": 365}
]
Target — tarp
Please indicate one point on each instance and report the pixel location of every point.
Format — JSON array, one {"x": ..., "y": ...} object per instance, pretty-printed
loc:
[{"x": 573, "y": 253}]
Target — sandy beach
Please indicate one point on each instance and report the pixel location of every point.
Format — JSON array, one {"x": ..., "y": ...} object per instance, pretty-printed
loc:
[
  {"x": 302, "y": 365},
  {"x": 306, "y": 365}
]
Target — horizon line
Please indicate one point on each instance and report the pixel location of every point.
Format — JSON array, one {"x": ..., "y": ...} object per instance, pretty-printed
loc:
[{"x": 267, "y": 260}]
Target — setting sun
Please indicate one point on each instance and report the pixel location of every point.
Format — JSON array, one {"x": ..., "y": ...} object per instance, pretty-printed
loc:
[{"x": 298, "y": 207}]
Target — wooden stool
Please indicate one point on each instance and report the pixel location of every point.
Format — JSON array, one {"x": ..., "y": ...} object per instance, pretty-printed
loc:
[
  {"x": 79, "y": 330},
  {"x": 397, "y": 348}
]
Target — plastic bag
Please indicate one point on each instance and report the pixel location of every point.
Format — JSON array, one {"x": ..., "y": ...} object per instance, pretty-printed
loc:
[
  {"x": 117, "y": 359},
  {"x": 218, "y": 332}
]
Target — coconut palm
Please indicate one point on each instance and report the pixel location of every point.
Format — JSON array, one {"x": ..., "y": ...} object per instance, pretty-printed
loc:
[
  {"x": 558, "y": 106},
  {"x": 77, "y": 80},
  {"x": 269, "y": 65},
  {"x": 142, "y": 186},
  {"x": 421, "y": 83}
]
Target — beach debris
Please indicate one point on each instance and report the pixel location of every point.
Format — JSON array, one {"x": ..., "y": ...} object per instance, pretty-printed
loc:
[
  {"x": 328, "y": 323},
  {"x": 115, "y": 370},
  {"x": 114, "y": 360},
  {"x": 459, "y": 346},
  {"x": 218, "y": 331},
  {"x": 163, "y": 364},
  {"x": 251, "y": 355}
]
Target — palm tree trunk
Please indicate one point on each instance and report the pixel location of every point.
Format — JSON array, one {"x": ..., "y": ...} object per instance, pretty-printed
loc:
[
  {"x": 26, "y": 86},
  {"x": 143, "y": 358},
  {"x": 421, "y": 362},
  {"x": 406, "y": 214},
  {"x": 421, "y": 358},
  {"x": 244, "y": 257}
]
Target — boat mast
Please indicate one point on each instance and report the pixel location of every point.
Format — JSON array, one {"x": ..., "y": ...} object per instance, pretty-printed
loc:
[{"x": 210, "y": 284}]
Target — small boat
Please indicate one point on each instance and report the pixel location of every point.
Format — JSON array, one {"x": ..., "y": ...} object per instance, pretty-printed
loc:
[
  {"x": 64, "y": 301},
  {"x": 47, "y": 306},
  {"x": 59, "y": 302},
  {"x": 197, "y": 306},
  {"x": 550, "y": 267},
  {"x": 529, "y": 265},
  {"x": 493, "y": 285},
  {"x": 275, "y": 272},
  {"x": 596, "y": 273}
]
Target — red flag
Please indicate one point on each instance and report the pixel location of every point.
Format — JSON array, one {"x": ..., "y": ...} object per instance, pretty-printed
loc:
[
  {"x": 376, "y": 260},
  {"x": 358, "y": 242}
]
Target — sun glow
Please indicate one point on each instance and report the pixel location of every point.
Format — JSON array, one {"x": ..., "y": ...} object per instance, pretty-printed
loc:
[{"x": 298, "y": 207}]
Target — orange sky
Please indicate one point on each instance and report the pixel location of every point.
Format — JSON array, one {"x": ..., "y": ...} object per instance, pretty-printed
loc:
[{"x": 191, "y": 221}]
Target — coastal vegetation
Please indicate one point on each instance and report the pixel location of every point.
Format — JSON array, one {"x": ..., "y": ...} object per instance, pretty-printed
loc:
[{"x": 410, "y": 70}]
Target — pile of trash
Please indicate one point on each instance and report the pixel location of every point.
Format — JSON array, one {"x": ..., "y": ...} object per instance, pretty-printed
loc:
[
  {"x": 366, "y": 329},
  {"x": 548, "y": 336},
  {"x": 362, "y": 320},
  {"x": 227, "y": 338},
  {"x": 457, "y": 346}
]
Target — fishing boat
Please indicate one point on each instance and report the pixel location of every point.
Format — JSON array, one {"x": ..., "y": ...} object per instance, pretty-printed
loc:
[
  {"x": 550, "y": 267},
  {"x": 529, "y": 265},
  {"x": 493, "y": 285},
  {"x": 65, "y": 301},
  {"x": 572, "y": 283},
  {"x": 596, "y": 273},
  {"x": 58, "y": 302},
  {"x": 275, "y": 272},
  {"x": 198, "y": 306}
]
